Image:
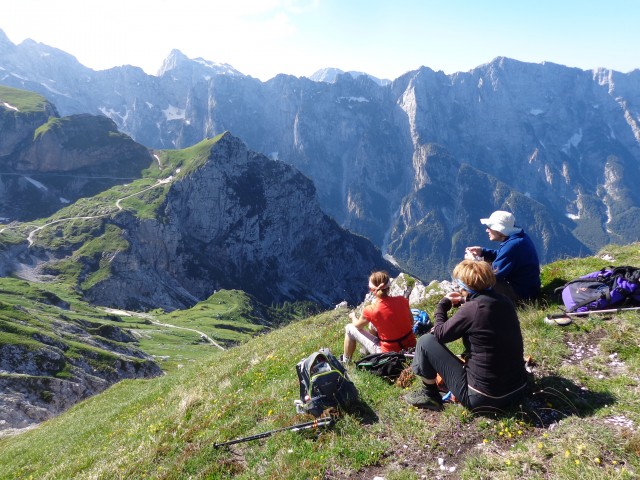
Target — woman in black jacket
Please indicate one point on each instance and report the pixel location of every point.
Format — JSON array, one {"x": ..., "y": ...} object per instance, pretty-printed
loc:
[{"x": 492, "y": 373}]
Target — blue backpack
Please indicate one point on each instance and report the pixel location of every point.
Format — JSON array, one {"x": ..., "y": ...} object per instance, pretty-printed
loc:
[{"x": 421, "y": 321}]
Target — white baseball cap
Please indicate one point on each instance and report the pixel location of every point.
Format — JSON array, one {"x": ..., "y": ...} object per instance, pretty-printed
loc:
[{"x": 502, "y": 222}]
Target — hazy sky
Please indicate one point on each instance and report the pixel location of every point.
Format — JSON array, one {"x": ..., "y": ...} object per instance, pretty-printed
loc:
[{"x": 385, "y": 38}]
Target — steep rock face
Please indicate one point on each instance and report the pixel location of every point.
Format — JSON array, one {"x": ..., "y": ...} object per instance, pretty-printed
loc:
[
  {"x": 17, "y": 127},
  {"x": 240, "y": 221},
  {"x": 567, "y": 139},
  {"x": 82, "y": 142}
]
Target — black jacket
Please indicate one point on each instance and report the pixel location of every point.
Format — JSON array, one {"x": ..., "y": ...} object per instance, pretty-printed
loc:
[{"x": 489, "y": 328}]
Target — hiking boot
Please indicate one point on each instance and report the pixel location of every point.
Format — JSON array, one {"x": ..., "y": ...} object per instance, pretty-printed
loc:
[{"x": 423, "y": 398}]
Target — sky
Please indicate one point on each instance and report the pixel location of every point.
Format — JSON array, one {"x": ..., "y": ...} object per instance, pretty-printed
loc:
[{"x": 385, "y": 38}]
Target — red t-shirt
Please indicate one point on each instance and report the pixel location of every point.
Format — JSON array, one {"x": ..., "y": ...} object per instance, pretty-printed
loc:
[{"x": 393, "y": 319}]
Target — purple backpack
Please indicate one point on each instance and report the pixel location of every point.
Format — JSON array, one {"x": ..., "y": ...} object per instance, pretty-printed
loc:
[{"x": 611, "y": 287}]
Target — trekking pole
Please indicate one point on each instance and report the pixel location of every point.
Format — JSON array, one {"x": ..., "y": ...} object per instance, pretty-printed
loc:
[
  {"x": 319, "y": 422},
  {"x": 565, "y": 318}
]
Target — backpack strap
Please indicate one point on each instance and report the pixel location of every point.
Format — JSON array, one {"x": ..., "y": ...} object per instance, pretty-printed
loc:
[
  {"x": 304, "y": 372},
  {"x": 606, "y": 295},
  {"x": 398, "y": 340}
]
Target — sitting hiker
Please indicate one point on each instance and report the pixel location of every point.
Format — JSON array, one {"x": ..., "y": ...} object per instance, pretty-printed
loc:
[
  {"x": 515, "y": 262},
  {"x": 493, "y": 372},
  {"x": 390, "y": 317}
]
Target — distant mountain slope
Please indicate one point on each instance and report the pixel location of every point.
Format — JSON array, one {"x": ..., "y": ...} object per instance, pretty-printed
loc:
[
  {"x": 563, "y": 141},
  {"x": 47, "y": 161},
  {"x": 330, "y": 74},
  {"x": 219, "y": 216}
]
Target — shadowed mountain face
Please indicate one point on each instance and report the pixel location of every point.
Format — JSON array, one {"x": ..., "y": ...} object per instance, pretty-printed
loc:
[{"x": 558, "y": 146}]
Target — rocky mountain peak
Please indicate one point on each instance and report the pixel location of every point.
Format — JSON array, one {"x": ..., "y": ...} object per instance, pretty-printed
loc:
[
  {"x": 173, "y": 60},
  {"x": 179, "y": 61}
]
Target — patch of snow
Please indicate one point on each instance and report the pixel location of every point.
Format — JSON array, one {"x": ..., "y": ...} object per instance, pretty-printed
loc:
[
  {"x": 149, "y": 104},
  {"x": 36, "y": 183},
  {"x": 354, "y": 99},
  {"x": 220, "y": 68},
  {"x": 53, "y": 90},
  {"x": 174, "y": 113},
  {"x": 64, "y": 200},
  {"x": 574, "y": 141},
  {"x": 111, "y": 113},
  {"x": 572, "y": 216},
  {"x": 620, "y": 421},
  {"x": 10, "y": 107},
  {"x": 536, "y": 111}
]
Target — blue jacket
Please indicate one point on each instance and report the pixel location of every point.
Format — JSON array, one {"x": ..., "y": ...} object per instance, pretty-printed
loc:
[{"x": 516, "y": 262}]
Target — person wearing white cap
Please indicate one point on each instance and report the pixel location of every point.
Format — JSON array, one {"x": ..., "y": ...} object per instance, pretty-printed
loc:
[{"x": 515, "y": 261}]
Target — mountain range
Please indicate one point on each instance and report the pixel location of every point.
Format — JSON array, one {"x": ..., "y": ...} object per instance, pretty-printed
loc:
[{"x": 412, "y": 164}]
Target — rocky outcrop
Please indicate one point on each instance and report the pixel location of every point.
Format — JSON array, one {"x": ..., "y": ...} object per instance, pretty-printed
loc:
[
  {"x": 18, "y": 126},
  {"x": 80, "y": 143},
  {"x": 51, "y": 373}
]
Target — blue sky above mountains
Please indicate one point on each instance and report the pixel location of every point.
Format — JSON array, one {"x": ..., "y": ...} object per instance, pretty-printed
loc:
[{"x": 262, "y": 38}]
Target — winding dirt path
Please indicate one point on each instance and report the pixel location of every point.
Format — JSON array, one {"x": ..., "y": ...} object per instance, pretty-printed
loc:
[
  {"x": 33, "y": 232},
  {"x": 146, "y": 316}
]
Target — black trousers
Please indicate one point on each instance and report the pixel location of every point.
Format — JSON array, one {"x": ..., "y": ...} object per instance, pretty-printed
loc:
[{"x": 432, "y": 357}]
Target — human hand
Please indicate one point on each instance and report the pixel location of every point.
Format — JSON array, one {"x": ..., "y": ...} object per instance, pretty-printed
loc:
[
  {"x": 473, "y": 253},
  {"x": 455, "y": 297}
]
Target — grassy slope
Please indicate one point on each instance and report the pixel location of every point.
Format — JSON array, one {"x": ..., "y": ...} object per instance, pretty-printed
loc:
[
  {"x": 23, "y": 100},
  {"x": 576, "y": 425},
  {"x": 27, "y": 308}
]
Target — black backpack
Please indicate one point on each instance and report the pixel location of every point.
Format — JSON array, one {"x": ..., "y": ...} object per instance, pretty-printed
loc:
[
  {"x": 388, "y": 365},
  {"x": 324, "y": 383}
]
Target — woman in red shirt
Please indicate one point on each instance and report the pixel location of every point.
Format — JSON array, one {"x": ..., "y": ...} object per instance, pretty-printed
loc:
[{"x": 390, "y": 317}]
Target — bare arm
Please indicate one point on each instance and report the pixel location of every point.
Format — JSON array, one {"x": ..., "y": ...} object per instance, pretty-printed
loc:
[{"x": 358, "y": 322}]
